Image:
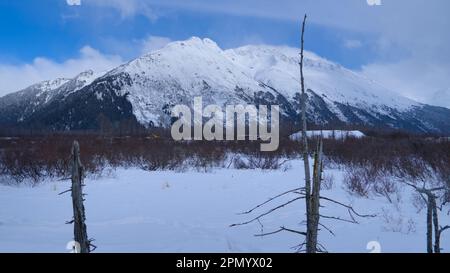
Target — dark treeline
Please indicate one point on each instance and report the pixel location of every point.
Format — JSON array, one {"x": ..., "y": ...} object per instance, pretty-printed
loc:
[
  {"x": 46, "y": 155},
  {"x": 40, "y": 156},
  {"x": 130, "y": 127},
  {"x": 377, "y": 165}
]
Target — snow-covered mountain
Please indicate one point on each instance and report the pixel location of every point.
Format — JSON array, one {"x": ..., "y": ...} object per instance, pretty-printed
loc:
[{"x": 145, "y": 89}]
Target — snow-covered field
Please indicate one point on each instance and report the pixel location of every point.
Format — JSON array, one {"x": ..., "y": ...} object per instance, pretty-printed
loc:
[{"x": 139, "y": 211}]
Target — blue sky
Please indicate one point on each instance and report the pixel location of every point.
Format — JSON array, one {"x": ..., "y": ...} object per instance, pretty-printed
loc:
[
  {"x": 56, "y": 30},
  {"x": 41, "y": 40}
]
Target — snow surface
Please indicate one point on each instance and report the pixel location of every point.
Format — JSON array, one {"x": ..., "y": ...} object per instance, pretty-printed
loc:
[
  {"x": 337, "y": 134},
  {"x": 165, "y": 211}
]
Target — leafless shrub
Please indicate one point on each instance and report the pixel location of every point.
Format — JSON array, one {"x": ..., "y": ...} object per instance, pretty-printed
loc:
[
  {"x": 327, "y": 182},
  {"x": 34, "y": 158},
  {"x": 385, "y": 186},
  {"x": 418, "y": 202},
  {"x": 265, "y": 162},
  {"x": 356, "y": 182},
  {"x": 240, "y": 164}
]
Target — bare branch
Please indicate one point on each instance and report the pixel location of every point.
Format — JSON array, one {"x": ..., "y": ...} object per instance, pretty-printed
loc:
[
  {"x": 350, "y": 208},
  {"x": 61, "y": 193},
  {"x": 339, "y": 219},
  {"x": 328, "y": 229},
  {"x": 442, "y": 229},
  {"x": 423, "y": 189},
  {"x": 91, "y": 245},
  {"x": 280, "y": 230},
  {"x": 268, "y": 212},
  {"x": 64, "y": 179},
  {"x": 284, "y": 162},
  {"x": 261, "y": 225},
  {"x": 231, "y": 161},
  {"x": 270, "y": 199},
  {"x": 299, "y": 248},
  {"x": 321, "y": 248}
]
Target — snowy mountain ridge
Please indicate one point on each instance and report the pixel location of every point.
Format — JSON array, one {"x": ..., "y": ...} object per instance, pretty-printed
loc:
[
  {"x": 278, "y": 67},
  {"x": 145, "y": 88}
]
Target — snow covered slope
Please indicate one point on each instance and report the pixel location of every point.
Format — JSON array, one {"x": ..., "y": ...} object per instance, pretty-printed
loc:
[
  {"x": 178, "y": 73},
  {"x": 145, "y": 89},
  {"x": 23, "y": 105},
  {"x": 278, "y": 68}
]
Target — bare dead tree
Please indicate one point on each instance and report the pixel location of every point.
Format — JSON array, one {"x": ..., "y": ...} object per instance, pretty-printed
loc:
[
  {"x": 300, "y": 194},
  {"x": 79, "y": 215},
  {"x": 432, "y": 216},
  {"x": 311, "y": 243},
  {"x": 304, "y": 97},
  {"x": 311, "y": 191}
]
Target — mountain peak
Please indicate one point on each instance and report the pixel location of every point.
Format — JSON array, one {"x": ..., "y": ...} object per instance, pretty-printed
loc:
[
  {"x": 195, "y": 43},
  {"x": 201, "y": 41},
  {"x": 87, "y": 73},
  {"x": 51, "y": 84}
]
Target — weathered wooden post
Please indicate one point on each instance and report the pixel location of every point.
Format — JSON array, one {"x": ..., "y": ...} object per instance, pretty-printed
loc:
[{"x": 79, "y": 217}]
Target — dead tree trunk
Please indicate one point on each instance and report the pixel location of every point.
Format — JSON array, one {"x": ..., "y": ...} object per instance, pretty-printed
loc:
[
  {"x": 437, "y": 239},
  {"x": 432, "y": 217},
  {"x": 310, "y": 248},
  {"x": 80, "y": 233},
  {"x": 429, "y": 226},
  {"x": 312, "y": 198},
  {"x": 432, "y": 223},
  {"x": 314, "y": 215}
]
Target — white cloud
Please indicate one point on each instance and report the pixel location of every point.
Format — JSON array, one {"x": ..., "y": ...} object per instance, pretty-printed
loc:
[
  {"x": 352, "y": 44},
  {"x": 153, "y": 43},
  {"x": 73, "y": 2},
  {"x": 16, "y": 77},
  {"x": 415, "y": 32},
  {"x": 130, "y": 49},
  {"x": 374, "y": 2},
  {"x": 127, "y": 8},
  {"x": 427, "y": 82}
]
